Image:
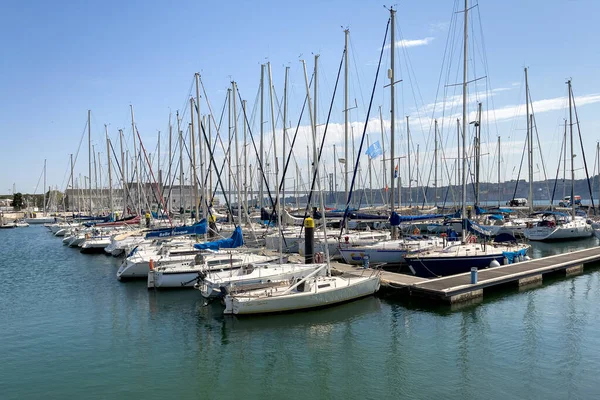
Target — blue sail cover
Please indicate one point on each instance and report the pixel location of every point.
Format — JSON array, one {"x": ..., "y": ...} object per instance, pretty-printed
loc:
[
  {"x": 198, "y": 228},
  {"x": 477, "y": 229},
  {"x": 236, "y": 240},
  {"x": 511, "y": 255},
  {"x": 396, "y": 219}
]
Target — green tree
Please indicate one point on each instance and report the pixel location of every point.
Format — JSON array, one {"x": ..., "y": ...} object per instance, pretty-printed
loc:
[{"x": 17, "y": 202}]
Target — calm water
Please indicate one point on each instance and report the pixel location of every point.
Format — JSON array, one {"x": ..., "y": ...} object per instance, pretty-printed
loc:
[{"x": 69, "y": 329}]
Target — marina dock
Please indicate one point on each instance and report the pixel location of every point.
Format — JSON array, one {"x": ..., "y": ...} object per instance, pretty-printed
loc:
[{"x": 458, "y": 288}]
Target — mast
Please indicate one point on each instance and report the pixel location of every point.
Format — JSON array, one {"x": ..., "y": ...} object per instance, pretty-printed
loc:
[
  {"x": 409, "y": 164},
  {"x": 89, "y": 164},
  {"x": 193, "y": 150},
  {"x": 598, "y": 163},
  {"x": 435, "y": 162},
  {"x": 110, "y": 192},
  {"x": 200, "y": 145},
  {"x": 237, "y": 155},
  {"x": 464, "y": 123},
  {"x": 285, "y": 105},
  {"x": 392, "y": 113},
  {"x": 572, "y": 151},
  {"x": 71, "y": 206},
  {"x": 346, "y": 110},
  {"x": 565, "y": 160},
  {"x": 262, "y": 133},
  {"x": 315, "y": 156},
  {"x": 181, "y": 209},
  {"x": 245, "y": 158},
  {"x": 123, "y": 176},
  {"x": 229, "y": 137},
  {"x": 499, "y": 172},
  {"x": 135, "y": 156},
  {"x": 277, "y": 201},
  {"x": 335, "y": 175},
  {"x": 529, "y": 144},
  {"x": 382, "y": 151},
  {"x": 477, "y": 153}
]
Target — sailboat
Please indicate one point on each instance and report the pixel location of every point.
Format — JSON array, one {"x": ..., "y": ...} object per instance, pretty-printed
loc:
[
  {"x": 460, "y": 256},
  {"x": 44, "y": 218},
  {"x": 314, "y": 290},
  {"x": 559, "y": 225}
]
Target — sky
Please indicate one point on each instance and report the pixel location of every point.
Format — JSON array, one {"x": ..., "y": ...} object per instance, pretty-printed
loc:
[{"x": 59, "y": 59}]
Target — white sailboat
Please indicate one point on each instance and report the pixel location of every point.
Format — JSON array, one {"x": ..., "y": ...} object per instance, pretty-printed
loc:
[
  {"x": 312, "y": 291},
  {"x": 558, "y": 225}
]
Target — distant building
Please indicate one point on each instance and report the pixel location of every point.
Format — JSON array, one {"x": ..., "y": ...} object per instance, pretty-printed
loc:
[{"x": 177, "y": 196}]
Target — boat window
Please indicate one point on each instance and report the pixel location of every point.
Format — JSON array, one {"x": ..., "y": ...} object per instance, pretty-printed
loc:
[{"x": 324, "y": 285}]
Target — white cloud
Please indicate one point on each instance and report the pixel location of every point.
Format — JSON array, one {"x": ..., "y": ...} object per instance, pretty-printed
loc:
[{"x": 411, "y": 42}]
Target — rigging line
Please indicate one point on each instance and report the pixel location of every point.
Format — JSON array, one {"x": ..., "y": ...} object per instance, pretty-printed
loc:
[
  {"x": 539, "y": 143},
  {"x": 153, "y": 178},
  {"x": 520, "y": 166},
  {"x": 587, "y": 175},
  {"x": 258, "y": 160},
  {"x": 564, "y": 143},
  {"x": 212, "y": 158},
  {"x": 318, "y": 160},
  {"x": 362, "y": 139}
]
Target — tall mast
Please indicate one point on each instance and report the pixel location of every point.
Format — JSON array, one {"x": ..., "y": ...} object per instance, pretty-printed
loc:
[
  {"x": 477, "y": 153},
  {"x": 237, "y": 156},
  {"x": 89, "y": 163},
  {"x": 409, "y": 163},
  {"x": 123, "y": 176},
  {"x": 499, "y": 172},
  {"x": 193, "y": 150},
  {"x": 262, "y": 123},
  {"x": 529, "y": 144},
  {"x": 245, "y": 157},
  {"x": 200, "y": 144},
  {"x": 71, "y": 206},
  {"x": 464, "y": 123},
  {"x": 135, "y": 156},
  {"x": 229, "y": 139},
  {"x": 346, "y": 33},
  {"x": 110, "y": 192},
  {"x": 285, "y": 105},
  {"x": 276, "y": 163},
  {"x": 382, "y": 150},
  {"x": 392, "y": 113},
  {"x": 565, "y": 160},
  {"x": 598, "y": 163},
  {"x": 181, "y": 208},
  {"x": 572, "y": 151},
  {"x": 315, "y": 156},
  {"x": 435, "y": 162}
]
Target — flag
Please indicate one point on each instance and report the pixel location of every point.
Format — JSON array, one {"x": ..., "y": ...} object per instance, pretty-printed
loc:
[
  {"x": 374, "y": 150},
  {"x": 396, "y": 171}
]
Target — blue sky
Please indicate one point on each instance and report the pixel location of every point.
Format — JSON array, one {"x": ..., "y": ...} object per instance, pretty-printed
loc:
[{"x": 61, "y": 59}]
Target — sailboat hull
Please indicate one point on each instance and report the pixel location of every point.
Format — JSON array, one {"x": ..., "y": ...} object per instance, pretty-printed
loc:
[{"x": 355, "y": 288}]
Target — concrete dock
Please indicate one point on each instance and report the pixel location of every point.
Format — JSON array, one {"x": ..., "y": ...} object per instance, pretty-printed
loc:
[{"x": 458, "y": 288}]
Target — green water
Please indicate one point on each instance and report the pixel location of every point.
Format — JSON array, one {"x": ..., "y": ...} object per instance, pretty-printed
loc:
[{"x": 70, "y": 330}]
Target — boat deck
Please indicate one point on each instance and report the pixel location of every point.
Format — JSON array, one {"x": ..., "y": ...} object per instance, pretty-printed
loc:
[{"x": 458, "y": 288}]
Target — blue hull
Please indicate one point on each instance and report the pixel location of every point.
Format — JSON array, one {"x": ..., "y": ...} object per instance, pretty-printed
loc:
[{"x": 434, "y": 267}]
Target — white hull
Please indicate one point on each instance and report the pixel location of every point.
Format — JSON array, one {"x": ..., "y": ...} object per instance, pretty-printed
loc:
[
  {"x": 40, "y": 220},
  {"x": 211, "y": 285},
  {"x": 388, "y": 252},
  {"x": 323, "y": 291},
  {"x": 571, "y": 230}
]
